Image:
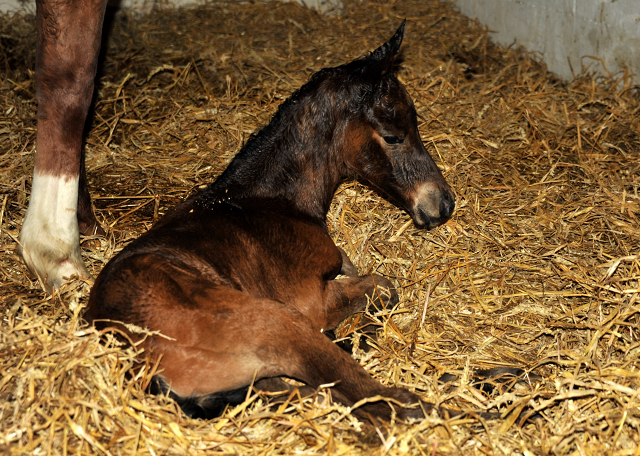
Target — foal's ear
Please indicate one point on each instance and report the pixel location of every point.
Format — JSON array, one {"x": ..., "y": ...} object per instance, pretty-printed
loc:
[
  {"x": 390, "y": 49},
  {"x": 381, "y": 60}
]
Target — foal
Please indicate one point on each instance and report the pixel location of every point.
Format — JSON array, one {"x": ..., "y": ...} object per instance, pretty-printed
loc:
[{"x": 241, "y": 276}]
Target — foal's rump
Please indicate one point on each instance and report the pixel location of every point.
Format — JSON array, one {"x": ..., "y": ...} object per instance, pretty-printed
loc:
[{"x": 211, "y": 338}]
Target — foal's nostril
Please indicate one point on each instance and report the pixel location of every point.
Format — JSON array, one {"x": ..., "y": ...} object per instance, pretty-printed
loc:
[{"x": 447, "y": 205}]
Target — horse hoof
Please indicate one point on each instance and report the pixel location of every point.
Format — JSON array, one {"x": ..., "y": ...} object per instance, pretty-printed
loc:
[{"x": 51, "y": 270}]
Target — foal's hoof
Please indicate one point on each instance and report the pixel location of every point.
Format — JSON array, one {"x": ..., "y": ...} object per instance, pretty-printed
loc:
[{"x": 384, "y": 294}]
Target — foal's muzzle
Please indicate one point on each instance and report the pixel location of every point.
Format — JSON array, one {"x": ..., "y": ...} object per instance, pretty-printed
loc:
[{"x": 432, "y": 205}]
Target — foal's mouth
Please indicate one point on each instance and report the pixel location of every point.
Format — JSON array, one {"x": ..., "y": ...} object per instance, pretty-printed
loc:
[{"x": 424, "y": 221}]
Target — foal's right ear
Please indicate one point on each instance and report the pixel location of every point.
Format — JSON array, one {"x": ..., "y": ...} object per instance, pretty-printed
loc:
[
  {"x": 382, "y": 60},
  {"x": 388, "y": 51}
]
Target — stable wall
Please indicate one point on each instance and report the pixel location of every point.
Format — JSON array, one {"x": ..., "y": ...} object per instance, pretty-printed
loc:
[{"x": 603, "y": 35}]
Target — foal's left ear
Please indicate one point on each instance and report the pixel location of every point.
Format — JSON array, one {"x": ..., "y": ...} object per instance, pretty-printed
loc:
[{"x": 382, "y": 58}]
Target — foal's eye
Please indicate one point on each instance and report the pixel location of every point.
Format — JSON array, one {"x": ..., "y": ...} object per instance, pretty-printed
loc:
[{"x": 393, "y": 139}]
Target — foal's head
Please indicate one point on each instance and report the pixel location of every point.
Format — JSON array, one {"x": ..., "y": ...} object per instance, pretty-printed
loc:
[{"x": 382, "y": 142}]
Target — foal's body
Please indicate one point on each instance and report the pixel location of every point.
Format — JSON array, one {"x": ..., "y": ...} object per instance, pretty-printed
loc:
[{"x": 242, "y": 276}]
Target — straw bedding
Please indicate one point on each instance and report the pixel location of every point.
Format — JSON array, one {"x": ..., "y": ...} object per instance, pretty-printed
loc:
[{"x": 538, "y": 268}]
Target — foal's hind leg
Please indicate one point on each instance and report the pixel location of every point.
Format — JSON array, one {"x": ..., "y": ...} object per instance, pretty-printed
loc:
[
  {"x": 320, "y": 362},
  {"x": 221, "y": 339},
  {"x": 225, "y": 349}
]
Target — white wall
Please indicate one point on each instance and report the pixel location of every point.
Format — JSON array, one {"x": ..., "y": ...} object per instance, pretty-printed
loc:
[{"x": 565, "y": 31}]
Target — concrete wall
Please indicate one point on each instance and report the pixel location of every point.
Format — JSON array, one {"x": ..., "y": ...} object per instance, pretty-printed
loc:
[{"x": 566, "y": 31}]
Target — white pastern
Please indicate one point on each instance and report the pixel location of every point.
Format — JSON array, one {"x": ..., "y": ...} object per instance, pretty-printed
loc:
[{"x": 50, "y": 237}]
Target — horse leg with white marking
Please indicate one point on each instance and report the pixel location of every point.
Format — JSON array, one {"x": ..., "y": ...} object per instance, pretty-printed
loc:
[{"x": 69, "y": 34}]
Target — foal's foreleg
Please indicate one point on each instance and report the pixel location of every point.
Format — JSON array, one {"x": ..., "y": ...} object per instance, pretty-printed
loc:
[
  {"x": 352, "y": 295},
  {"x": 66, "y": 60},
  {"x": 346, "y": 297}
]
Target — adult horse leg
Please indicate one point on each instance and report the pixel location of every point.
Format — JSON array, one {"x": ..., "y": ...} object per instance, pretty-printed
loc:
[{"x": 67, "y": 53}]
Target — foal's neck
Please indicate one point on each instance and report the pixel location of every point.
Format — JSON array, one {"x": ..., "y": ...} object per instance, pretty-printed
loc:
[{"x": 295, "y": 158}]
